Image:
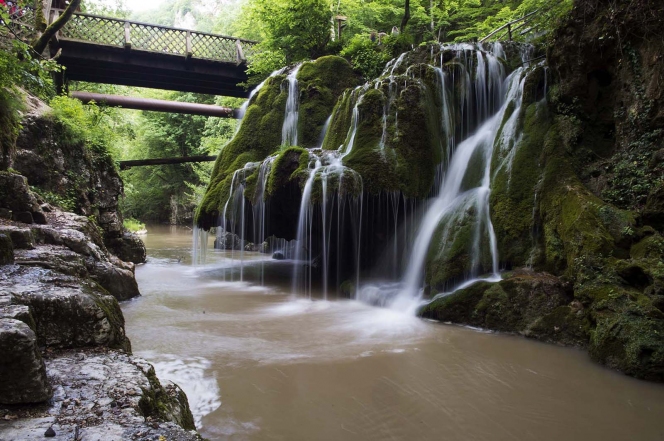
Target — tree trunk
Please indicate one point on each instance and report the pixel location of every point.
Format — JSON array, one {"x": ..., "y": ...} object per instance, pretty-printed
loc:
[
  {"x": 406, "y": 16},
  {"x": 40, "y": 44}
]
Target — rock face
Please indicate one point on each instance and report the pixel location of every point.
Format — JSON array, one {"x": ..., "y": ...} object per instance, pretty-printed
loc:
[
  {"x": 15, "y": 196},
  {"x": 21, "y": 366},
  {"x": 81, "y": 177},
  {"x": 6, "y": 250},
  {"x": 228, "y": 241},
  {"x": 68, "y": 312},
  {"x": 106, "y": 395},
  {"x": 62, "y": 339}
]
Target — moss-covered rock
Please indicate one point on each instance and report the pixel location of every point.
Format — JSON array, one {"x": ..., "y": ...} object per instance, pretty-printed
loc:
[
  {"x": 321, "y": 83},
  {"x": 259, "y": 135},
  {"x": 290, "y": 164},
  {"x": 533, "y": 304}
]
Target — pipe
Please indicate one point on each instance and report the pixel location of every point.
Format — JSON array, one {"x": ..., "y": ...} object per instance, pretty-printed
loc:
[
  {"x": 124, "y": 165},
  {"x": 128, "y": 102}
]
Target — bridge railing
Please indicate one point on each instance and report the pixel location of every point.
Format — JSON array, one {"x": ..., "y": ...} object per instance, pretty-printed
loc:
[
  {"x": 153, "y": 38},
  {"x": 22, "y": 23}
]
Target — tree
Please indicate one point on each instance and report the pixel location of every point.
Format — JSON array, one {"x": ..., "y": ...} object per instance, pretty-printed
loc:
[
  {"x": 41, "y": 42},
  {"x": 406, "y": 16}
]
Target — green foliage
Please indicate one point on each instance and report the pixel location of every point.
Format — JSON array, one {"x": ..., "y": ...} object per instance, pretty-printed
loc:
[
  {"x": 65, "y": 202},
  {"x": 20, "y": 69},
  {"x": 366, "y": 56},
  {"x": 289, "y": 31},
  {"x": 133, "y": 225},
  {"x": 86, "y": 124}
]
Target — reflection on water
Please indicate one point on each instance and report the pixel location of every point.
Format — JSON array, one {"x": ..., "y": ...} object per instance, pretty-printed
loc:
[{"x": 259, "y": 365}]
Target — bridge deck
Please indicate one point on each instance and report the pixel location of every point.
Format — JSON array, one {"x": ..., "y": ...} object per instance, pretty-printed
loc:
[{"x": 116, "y": 51}]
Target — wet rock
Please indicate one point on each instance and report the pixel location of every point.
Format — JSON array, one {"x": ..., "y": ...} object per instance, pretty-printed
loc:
[
  {"x": 50, "y": 433},
  {"x": 23, "y": 217},
  {"x": 21, "y": 366},
  {"x": 119, "y": 282},
  {"x": 129, "y": 248},
  {"x": 5, "y": 213},
  {"x": 533, "y": 304},
  {"x": 6, "y": 250},
  {"x": 15, "y": 195},
  {"x": 116, "y": 394},
  {"x": 278, "y": 256},
  {"x": 228, "y": 241},
  {"x": 18, "y": 312},
  {"x": 39, "y": 218},
  {"x": 21, "y": 237},
  {"x": 68, "y": 311}
]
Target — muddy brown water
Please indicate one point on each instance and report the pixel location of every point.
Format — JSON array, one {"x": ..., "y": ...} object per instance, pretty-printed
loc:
[{"x": 260, "y": 365}]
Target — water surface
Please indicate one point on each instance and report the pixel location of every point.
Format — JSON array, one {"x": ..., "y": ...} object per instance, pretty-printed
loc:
[{"x": 260, "y": 365}]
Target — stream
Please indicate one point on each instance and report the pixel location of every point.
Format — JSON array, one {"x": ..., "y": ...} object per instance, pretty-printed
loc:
[{"x": 258, "y": 364}]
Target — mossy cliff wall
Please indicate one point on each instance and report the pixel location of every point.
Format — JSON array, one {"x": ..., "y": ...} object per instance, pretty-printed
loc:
[{"x": 583, "y": 199}]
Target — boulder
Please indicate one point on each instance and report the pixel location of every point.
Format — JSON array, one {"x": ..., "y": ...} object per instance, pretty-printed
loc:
[
  {"x": 21, "y": 367},
  {"x": 18, "y": 312},
  {"x": 129, "y": 247},
  {"x": 228, "y": 241},
  {"x": 69, "y": 312},
  {"x": 278, "y": 255},
  {"x": 6, "y": 250},
  {"x": 24, "y": 217},
  {"x": 536, "y": 305},
  {"x": 119, "y": 282},
  {"x": 106, "y": 395}
]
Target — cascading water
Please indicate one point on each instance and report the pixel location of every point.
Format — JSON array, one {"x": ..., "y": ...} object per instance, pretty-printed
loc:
[
  {"x": 289, "y": 129},
  {"x": 484, "y": 101}
]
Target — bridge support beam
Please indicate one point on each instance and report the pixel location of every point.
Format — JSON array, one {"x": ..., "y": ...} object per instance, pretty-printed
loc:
[
  {"x": 124, "y": 165},
  {"x": 155, "y": 105}
]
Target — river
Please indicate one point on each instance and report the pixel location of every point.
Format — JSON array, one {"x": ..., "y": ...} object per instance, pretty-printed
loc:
[{"x": 257, "y": 364}]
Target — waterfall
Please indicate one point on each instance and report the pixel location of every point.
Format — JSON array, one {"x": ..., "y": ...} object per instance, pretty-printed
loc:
[
  {"x": 289, "y": 128},
  {"x": 453, "y": 199},
  {"x": 476, "y": 113}
]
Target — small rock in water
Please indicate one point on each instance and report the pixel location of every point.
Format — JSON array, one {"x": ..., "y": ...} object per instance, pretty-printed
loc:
[
  {"x": 278, "y": 256},
  {"x": 50, "y": 433}
]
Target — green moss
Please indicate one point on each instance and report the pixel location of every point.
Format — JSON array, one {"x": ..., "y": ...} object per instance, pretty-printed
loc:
[
  {"x": 631, "y": 342},
  {"x": 321, "y": 83},
  {"x": 449, "y": 259},
  {"x": 287, "y": 166},
  {"x": 514, "y": 187},
  {"x": 10, "y": 106},
  {"x": 258, "y": 137},
  {"x": 165, "y": 404},
  {"x": 649, "y": 247}
]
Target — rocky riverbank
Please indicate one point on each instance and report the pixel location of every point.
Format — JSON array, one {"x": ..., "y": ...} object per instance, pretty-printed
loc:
[{"x": 65, "y": 361}]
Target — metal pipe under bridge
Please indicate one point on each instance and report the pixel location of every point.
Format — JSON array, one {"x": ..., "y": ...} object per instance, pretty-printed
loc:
[{"x": 155, "y": 105}]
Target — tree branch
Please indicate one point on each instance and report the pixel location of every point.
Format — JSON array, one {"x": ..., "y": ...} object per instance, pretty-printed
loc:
[
  {"x": 406, "y": 16},
  {"x": 40, "y": 44}
]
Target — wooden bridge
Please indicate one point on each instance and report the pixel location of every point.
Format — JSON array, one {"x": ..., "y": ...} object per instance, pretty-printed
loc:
[{"x": 115, "y": 51}]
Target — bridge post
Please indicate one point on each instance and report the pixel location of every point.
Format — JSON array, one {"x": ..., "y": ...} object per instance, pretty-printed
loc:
[
  {"x": 240, "y": 53},
  {"x": 127, "y": 35},
  {"x": 189, "y": 52}
]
